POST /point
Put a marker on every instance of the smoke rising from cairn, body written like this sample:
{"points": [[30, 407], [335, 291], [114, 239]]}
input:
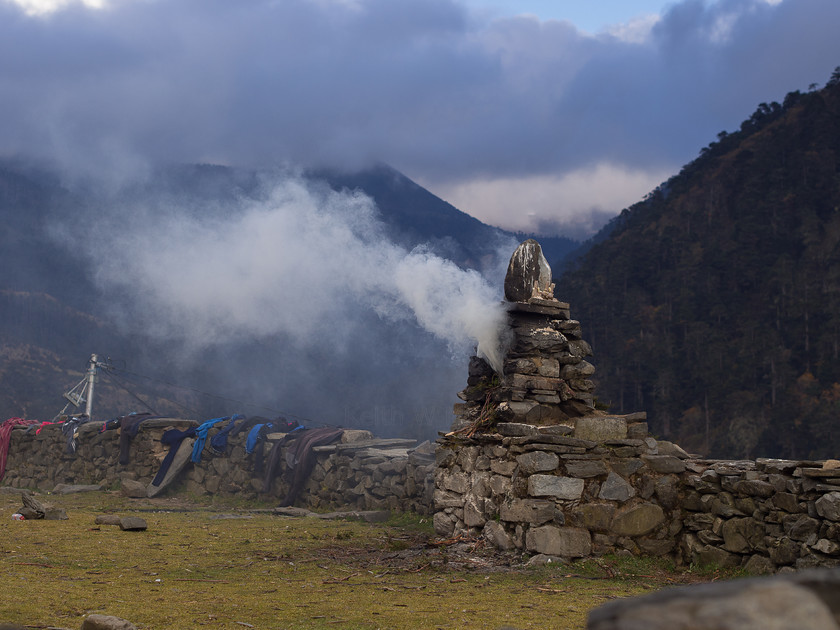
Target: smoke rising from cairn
{"points": [[298, 260]]}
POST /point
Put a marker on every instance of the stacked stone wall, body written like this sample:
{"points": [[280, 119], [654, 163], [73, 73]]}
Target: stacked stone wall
{"points": [[542, 490], [765, 515], [545, 491], [545, 376], [359, 473]]}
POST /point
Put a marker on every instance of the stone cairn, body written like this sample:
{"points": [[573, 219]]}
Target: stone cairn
{"points": [[531, 465], [546, 377], [528, 447]]}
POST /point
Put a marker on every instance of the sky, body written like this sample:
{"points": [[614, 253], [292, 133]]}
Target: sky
{"points": [[591, 17], [530, 115]]}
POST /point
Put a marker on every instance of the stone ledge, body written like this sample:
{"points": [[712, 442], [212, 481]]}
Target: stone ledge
{"points": [[559, 310]]}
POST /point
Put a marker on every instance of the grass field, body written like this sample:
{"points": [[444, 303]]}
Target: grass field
{"points": [[203, 565]]}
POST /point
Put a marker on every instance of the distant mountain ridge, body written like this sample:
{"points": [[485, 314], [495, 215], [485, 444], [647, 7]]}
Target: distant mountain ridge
{"points": [[416, 216], [714, 304]]}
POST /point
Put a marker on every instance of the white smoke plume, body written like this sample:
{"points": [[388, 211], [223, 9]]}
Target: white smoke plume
{"points": [[305, 268], [287, 264]]}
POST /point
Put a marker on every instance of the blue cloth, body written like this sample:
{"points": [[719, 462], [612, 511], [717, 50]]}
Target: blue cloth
{"points": [[254, 436], [219, 441], [201, 436]]}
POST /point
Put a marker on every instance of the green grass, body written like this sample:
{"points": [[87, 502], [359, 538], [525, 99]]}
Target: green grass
{"points": [[197, 567]]}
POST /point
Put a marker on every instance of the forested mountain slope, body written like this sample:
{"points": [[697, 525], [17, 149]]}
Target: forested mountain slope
{"points": [[714, 304]]}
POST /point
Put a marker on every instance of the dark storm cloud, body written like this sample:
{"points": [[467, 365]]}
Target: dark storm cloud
{"points": [[421, 84]]}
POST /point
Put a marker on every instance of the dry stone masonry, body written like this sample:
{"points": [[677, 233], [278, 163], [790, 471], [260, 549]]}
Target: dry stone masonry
{"points": [[531, 465], [765, 515], [546, 377], [360, 472]]}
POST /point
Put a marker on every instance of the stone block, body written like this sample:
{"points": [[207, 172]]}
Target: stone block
{"points": [[496, 535], [615, 488], [637, 430], [444, 457], [787, 501], [466, 457], [499, 485], [828, 506], [480, 484], [826, 546], [664, 463], [444, 524], [585, 469], [600, 428], [579, 348], [665, 489], [549, 414], [595, 516], [665, 447], [443, 499], [522, 381], [569, 327], [755, 488], [776, 466], [785, 551], [533, 511], [699, 521], [580, 370], [549, 368], [652, 547], [735, 536], [537, 461], [723, 505], [528, 273], [520, 366], [504, 468], [801, 527], [626, 467], [566, 542], [474, 512], [557, 429], [133, 489], [628, 451], [715, 556], [759, 565], [106, 622], [637, 520], [456, 482], [133, 523], [517, 429], [566, 488]]}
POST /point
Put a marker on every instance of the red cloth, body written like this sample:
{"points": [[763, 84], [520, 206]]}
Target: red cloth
{"points": [[43, 424], [6, 436]]}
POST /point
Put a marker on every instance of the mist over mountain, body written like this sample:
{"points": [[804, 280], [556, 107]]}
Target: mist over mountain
{"points": [[340, 298], [714, 304]]}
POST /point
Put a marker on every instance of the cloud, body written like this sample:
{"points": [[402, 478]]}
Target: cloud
{"points": [[520, 203], [44, 7], [439, 92]]}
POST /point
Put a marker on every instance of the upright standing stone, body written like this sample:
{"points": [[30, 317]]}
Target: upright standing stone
{"points": [[528, 274]]}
